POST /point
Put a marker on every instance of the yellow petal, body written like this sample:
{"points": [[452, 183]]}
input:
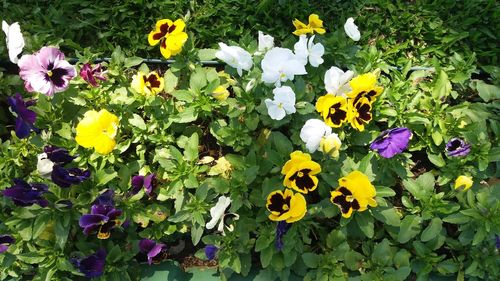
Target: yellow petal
{"points": [[179, 26], [176, 41], [104, 144], [165, 52], [298, 208], [464, 182]]}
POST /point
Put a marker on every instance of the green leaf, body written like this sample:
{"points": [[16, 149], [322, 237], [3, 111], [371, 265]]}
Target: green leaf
{"points": [[487, 92], [365, 223], [207, 54], [433, 229], [191, 151], [282, 143], [382, 253], [61, 230], [457, 218], [31, 258], [187, 115], [310, 259], [137, 121], [384, 191], [198, 80], [40, 224], [442, 88], [410, 227], [171, 81], [436, 160], [183, 95], [115, 254], [132, 61], [266, 256], [196, 233], [387, 215], [105, 175]]}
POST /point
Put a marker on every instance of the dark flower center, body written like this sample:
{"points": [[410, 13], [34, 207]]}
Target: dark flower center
{"points": [[303, 180], [336, 115], [346, 201], [151, 81], [364, 114], [279, 204], [55, 75], [454, 145]]}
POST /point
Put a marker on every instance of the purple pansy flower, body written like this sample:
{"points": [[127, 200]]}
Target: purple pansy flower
{"points": [[25, 117], [148, 182], [58, 155], [66, 177], [457, 147], [93, 265], [211, 251], [391, 142], [281, 230], [25, 194], [151, 249], [105, 198], [46, 71], [5, 242], [497, 241], [90, 74], [101, 218]]}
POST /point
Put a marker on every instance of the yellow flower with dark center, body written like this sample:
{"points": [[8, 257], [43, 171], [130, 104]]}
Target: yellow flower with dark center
{"points": [[359, 113], [314, 25], [364, 86], [333, 109], [170, 35], [147, 84], [97, 130], [300, 172], [355, 193], [463, 183], [286, 206]]}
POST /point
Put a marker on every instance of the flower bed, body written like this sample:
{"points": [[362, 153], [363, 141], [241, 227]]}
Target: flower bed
{"points": [[277, 160]]}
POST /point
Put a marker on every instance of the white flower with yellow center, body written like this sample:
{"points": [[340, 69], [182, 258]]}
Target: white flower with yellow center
{"points": [[283, 103]]}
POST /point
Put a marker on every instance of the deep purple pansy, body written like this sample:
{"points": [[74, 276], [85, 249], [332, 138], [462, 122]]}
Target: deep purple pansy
{"points": [[46, 71], [211, 251], [497, 241], [457, 147], [147, 182], [93, 265], [391, 142], [105, 198], [25, 194], [25, 117], [66, 177], [281, 230], [152, 249], [58, 155], [90, 74], [5, 242], [102, 218]]}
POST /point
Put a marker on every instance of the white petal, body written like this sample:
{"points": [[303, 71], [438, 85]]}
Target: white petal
{"points": [[266, 42], [217, 212], [300, 49], [14, 39], [274, 111], [352, 30], [44, 166]]}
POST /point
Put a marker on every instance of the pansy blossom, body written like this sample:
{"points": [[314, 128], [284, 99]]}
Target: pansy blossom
{"points": [[170, 35], [457, 147], [364, 86], [319, 136], [5, 242], [300, 172], [351, 29], [391, 142], [463, 182], [14, 39], [25, 118], [93, 265], [90, 74], [283, 103], [314, 25], [211, 251], [147, 182], [337, 81], [24, 194], [154, 251], [102, 218], [148, 84], [235, 56], [97, 130], [281, 65], [65, 177], [355, 193], [333, 109], [46, 71], [306, 50], [219, 215], [286, 206]]}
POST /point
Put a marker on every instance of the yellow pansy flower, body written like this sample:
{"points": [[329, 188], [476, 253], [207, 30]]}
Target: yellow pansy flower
{"points": [[359, 113], [355, 193], [97, 130], [300, 172], [463, 182], [220, 93], [333, 109], [147, 84], [314, 25], [170, 35], [364, 86], [330, 145], [286, 206]]}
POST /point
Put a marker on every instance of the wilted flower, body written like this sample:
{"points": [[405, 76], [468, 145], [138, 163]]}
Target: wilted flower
{"points": [[336, 81], [170, 35], [280, 65], [391, 142], [351, 29], [90, 74], [235, 56], [66, 177], [286, 206], [24, 194], [220, 93], [355, 193], [147, 84], [318, 136], [97, 130], [300, 172], [222, 167], [14, 39], [46, 71], [463, 183], [147, 182], [25, 118], [266, 42], [211, 251], [307, 50], [93, 265], [314, 25], [457, 147], [283, 103], [5, 242], [101, 218], [333, 109], [218, 213], [281, 230], [152, 249]]}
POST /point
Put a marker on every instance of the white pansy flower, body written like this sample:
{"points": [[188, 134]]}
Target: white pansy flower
{"points": [[319, 136], [280, 65], [266, 42], [44, 165], [351, 29], [337, 81], [14, 39], [218, 213], [307, 50], [235, 56], [283, 103]]}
